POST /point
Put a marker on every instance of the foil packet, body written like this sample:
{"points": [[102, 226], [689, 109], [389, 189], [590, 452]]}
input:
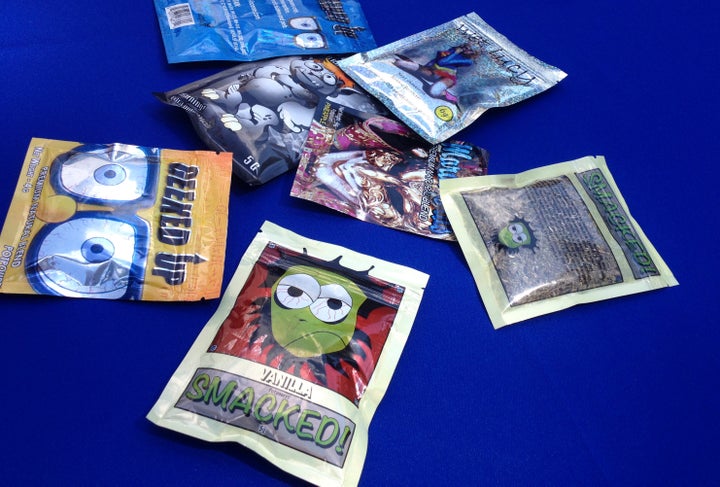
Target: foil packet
{"points": [[297, 356], [261, 111], [117, 221], [374, 168], [231, 30], [550, 238], [441, 80]]}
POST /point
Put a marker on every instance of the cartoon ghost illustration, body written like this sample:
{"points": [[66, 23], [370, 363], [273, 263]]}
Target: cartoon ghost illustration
{"points": [[288, 93]]}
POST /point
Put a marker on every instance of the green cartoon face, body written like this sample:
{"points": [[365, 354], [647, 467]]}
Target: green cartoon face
{"points": [[515, 235], [314, 311]]}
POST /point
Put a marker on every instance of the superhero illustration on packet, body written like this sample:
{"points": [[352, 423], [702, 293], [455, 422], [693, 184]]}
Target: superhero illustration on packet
{"points": [[261, 111], [549, 238], [317, 320], [116, 221], [445, 77], [374, 168]]}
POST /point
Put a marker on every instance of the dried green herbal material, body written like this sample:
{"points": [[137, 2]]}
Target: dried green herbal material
{"points": [[550, 238]]}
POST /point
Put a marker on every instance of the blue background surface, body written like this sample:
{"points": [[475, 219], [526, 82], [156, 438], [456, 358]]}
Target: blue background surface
{"points": [[620, 392]]}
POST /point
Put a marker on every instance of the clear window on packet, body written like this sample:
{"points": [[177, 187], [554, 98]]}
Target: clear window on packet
{"points": [[550, 238]]}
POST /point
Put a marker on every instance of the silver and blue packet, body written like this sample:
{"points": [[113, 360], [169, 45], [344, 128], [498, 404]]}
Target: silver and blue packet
{"points": [[116, 221], [441, 80], [261, 111], [231, 30]]}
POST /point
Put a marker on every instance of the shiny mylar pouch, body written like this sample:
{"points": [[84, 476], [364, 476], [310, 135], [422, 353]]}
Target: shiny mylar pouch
{"points": [[116, 221], [93, 254], [441, 80]]}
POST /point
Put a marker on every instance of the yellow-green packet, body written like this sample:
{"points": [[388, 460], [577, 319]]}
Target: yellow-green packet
{"points": [[550, 238], [297, 357]]}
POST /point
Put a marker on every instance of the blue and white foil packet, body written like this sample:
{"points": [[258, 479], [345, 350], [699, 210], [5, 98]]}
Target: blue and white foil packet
{"points": [[441, 80], [234, 30]]}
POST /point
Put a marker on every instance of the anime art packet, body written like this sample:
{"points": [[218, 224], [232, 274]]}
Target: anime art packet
{"points": [[261, 111], [550, 238], [116, 221], [297, 357], [441, 80], [234, 30], [374, 168]]}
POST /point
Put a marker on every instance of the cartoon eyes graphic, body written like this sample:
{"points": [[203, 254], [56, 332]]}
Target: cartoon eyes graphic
{"points": [[297, 291], [93, 254], [110, 174], [310, 40], [327, 78], [518, 233], [330, 303], [113, 174]]}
